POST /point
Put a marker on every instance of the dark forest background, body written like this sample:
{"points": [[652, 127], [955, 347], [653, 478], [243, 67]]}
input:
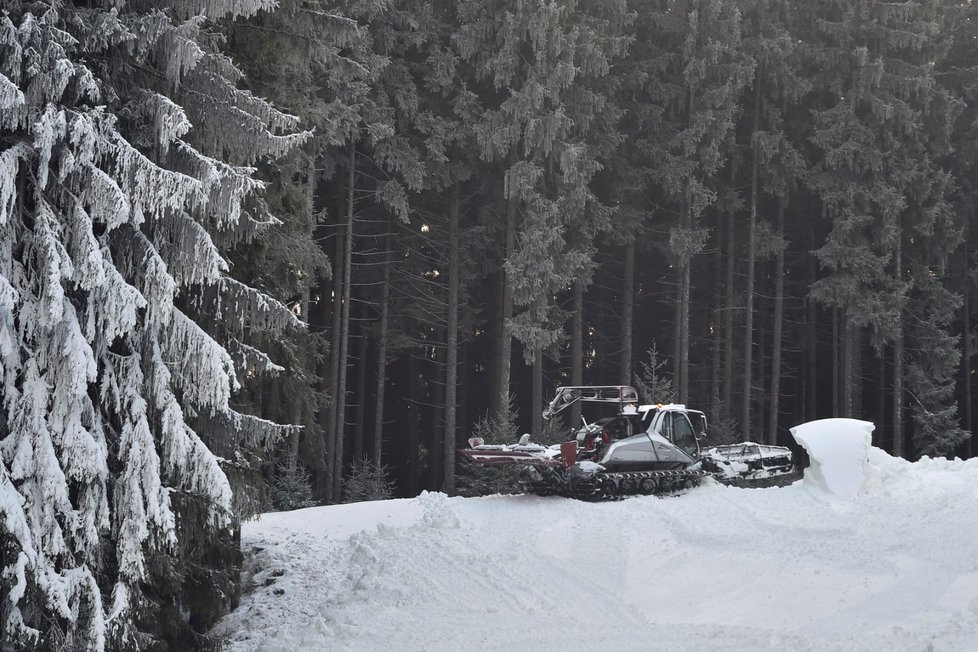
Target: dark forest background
{"points": [[766, 203]]}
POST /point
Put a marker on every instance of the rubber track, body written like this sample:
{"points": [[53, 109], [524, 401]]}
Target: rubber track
{"points": [[613, 486]]}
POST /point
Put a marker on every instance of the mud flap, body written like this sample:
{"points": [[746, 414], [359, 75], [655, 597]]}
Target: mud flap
{"points": [[568, 453]]}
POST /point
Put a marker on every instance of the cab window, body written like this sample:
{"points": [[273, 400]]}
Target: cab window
{"points": [[682, 433]]}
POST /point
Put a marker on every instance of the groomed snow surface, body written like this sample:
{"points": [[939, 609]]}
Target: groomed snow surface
{"points": [[867, 552]]}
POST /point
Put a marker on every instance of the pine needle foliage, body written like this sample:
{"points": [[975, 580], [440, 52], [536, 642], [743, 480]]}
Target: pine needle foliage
{"points": [[365, 481], [292, 488], [651, 382], [127, 153]]}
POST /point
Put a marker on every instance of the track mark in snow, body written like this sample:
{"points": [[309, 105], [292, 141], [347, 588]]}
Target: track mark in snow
{"points": [[718, 568]]}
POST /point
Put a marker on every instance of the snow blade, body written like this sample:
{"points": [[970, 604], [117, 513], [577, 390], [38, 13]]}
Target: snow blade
{"points": [[749, 460]]}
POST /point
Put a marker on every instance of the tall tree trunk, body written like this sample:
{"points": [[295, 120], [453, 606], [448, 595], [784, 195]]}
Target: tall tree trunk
{"points": [[970, 444], [898, 435], [684, 341], [293, 454], [715, 325], [537, 416], [677, 334], [334, 356], [751, 224], [382, 336], [435, 428], [465, 363], [451, 341], [881, 399], [760, 382], [857, 372], [577, 347], [344, 330], [811, 345], [777, 327], [506, 314], [849, 369], [835, 363], [681, 366], [627, 315], [359, 427], [728, 315], [414, 426]]}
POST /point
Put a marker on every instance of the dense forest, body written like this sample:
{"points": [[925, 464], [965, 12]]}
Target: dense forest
{"points": [[260, 254]]}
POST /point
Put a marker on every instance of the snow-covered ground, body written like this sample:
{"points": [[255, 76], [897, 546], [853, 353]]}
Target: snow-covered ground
{"points": [[868, 552]]}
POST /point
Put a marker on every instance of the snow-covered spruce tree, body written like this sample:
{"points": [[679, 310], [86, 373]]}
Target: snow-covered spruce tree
{"points": [[535, 66], [879, 175], [683, 92], [125, 154]]}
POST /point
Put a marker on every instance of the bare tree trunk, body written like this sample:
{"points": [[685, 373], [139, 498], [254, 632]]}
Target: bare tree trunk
{"points": [[577, 347], [537, 416], [760, 382], [728, 315], [778, 327], [970, 443], [751, 224], [343, 354], [684, 300], [435, 428], [414, 425], [293, 455], [681, 366], [881, 424], [360, 425], [835, 363], [898, 435], [334, 358], [715, 323], [506, 314], [857, 372], [677, 334], [849, 369], [465, 363], [627, 315], [381, 374], [811, 346], [451, 342]]}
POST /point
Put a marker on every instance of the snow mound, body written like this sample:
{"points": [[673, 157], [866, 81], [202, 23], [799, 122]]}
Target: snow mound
{"points": [[716, 569], [839, 452]]}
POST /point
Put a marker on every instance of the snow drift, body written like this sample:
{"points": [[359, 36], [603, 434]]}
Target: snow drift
{"points": [[867, 552]]}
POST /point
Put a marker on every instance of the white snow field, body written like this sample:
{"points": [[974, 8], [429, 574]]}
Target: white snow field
{"points": [[867, 552]]}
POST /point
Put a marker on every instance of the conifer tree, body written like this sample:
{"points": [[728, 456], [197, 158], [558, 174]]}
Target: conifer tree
{"points": [[700, 70], [885, 128], [126, 154], [534, 64], [776, 168]]}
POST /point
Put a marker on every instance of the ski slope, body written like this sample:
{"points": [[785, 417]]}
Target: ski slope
{"points": [[867, 552]]}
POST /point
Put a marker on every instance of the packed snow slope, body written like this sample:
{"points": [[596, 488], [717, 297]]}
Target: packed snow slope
{"points": [[867, 552]]}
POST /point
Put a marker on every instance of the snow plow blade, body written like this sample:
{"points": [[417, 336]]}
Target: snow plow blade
{"points": [[748, 461]]}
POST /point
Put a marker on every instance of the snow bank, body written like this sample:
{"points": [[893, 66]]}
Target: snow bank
{"points": [[838, 450], [716, 569]]}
